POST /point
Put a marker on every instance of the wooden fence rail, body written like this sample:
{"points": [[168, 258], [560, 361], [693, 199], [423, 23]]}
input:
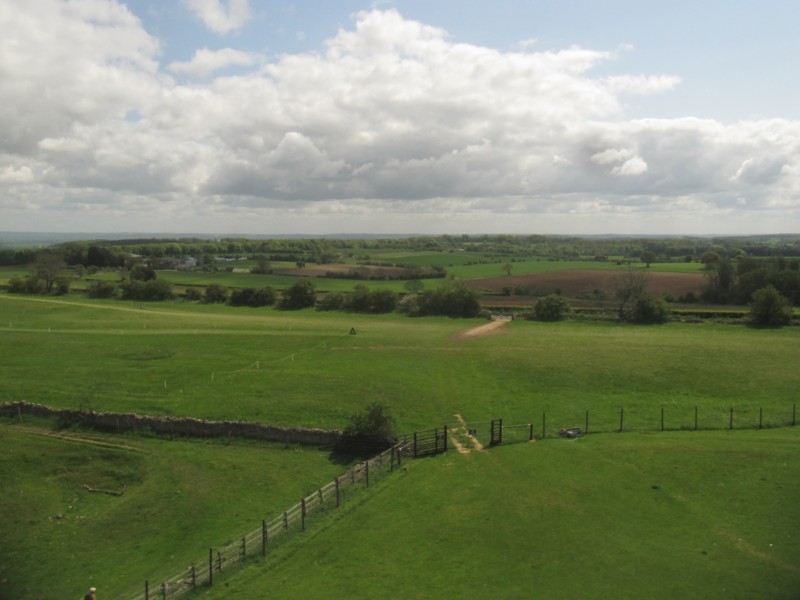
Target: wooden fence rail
{"points": [[259, 542]]}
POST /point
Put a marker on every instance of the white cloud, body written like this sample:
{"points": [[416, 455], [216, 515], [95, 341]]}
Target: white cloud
{"points": [[632, 166], [221, 16], [390, 117], [205, 61], [23, 174]]}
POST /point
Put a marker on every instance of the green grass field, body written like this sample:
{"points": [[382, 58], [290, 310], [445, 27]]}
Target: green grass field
{"points": [[303, 368], [525, 517], [674, 515], [180, 498]]}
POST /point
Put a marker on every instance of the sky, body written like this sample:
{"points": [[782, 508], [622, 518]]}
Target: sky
{"points": [[408, 116]]}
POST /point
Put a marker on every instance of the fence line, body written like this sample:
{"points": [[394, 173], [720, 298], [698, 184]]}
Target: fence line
{"points": [[260, 541], [659, 418]]}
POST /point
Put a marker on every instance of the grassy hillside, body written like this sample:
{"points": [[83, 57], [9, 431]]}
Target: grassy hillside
{"points": [[304, 368], [675, 515], [546, 517], [180, 497]]}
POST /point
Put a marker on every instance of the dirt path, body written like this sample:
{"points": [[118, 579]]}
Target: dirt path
{"points": [[463, 431], [489, 328]]}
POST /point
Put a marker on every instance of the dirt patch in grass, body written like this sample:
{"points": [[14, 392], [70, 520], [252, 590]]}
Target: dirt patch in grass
{"points": [[490, 328], [590, 283]]}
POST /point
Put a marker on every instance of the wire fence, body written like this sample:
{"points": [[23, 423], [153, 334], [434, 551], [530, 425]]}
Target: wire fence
{"points": [[665, 418], [261, 541], [473, 434]]}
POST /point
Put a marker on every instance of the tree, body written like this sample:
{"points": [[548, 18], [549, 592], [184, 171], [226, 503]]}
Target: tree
{"points": [[262, 266], [720, 274], [648, 256], [215, 294], [254, 297], [769, 308], [331, 301], [49, 267], [414, 286], [628, 287], [301, 294], [369, 431], [102, 289], [507, 267], [142, 272], [551, 308], [649, 310], [451, 299]]}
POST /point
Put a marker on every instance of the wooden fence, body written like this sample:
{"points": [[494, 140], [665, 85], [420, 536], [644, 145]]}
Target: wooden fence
{"points": [[425, 443], [259, 542]]}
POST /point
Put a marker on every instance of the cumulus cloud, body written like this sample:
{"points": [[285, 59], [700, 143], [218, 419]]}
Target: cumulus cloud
{"points": [[391, 116], [205, 61], [10, 174], [221, 16]]}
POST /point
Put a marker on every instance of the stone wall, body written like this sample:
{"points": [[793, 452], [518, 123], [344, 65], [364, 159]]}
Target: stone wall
{"points": [[119, 422]]}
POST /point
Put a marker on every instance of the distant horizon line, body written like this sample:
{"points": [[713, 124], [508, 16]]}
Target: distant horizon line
{"points": [[55, 237]]}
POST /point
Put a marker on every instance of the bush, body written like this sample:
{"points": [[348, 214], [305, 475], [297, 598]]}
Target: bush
{"points": [[369, 432], [154, 290], [254, 297], [454, 299], [26, 285], [215, 294], [551, 308], [769, 308], [301, 294], [331, 301], [103, 289], [192, 294], [649, 310]]}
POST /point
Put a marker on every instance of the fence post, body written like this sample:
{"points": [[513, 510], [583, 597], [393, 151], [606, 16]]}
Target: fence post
{"points": [[194, 576], [662, 418], [366, 471], [415, 444], [219, 561], [695, 418], [210, 567], [760, 417], [303, 514], [321, 499], [244, 548], [164, 591], [146, 589], [794, 414], [586, 424], [445, 439], [530, 434], [264, 534], [621, 415], [391, 460], [337, 492], [730, 425], [286, 520]]}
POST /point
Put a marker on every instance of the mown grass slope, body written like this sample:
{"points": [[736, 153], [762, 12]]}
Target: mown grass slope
{"points": [[306, 369], [673, 515]]}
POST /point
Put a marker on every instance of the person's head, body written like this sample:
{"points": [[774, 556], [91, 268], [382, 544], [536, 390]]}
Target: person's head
{"points": [[92, 590]]}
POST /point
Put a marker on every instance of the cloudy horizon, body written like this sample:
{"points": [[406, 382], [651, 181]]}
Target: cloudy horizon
{"points": [[207, 116]]}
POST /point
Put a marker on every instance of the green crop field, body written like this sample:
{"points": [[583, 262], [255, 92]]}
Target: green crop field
{"points": [[556, 506]]}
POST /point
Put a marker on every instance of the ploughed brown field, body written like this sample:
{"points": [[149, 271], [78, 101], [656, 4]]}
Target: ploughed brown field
{"points": [[590, 284]]}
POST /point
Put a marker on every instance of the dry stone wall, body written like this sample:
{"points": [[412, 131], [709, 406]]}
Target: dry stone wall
{"points": [[119, 422]]}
